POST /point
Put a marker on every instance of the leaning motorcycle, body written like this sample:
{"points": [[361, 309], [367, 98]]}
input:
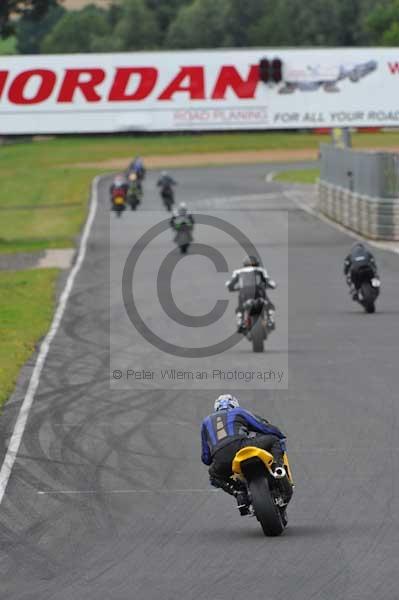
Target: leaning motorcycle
{"points": [[269, 491], [366, 288], [258, 322]]}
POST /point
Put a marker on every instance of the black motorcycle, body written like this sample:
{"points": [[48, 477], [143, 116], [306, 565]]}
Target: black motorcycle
{"points": [[365, 287], [168, 197]]}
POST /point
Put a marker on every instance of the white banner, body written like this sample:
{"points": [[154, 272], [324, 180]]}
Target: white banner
{"points": [[198, 90]]}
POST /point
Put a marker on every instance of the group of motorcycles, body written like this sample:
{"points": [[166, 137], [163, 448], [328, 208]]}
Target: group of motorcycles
{"points": [[251, 465], [127, 189], [364, 286], [257, 324]]}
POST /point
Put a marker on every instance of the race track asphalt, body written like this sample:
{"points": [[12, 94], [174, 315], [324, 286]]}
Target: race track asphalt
{"points": [[108, 499]]}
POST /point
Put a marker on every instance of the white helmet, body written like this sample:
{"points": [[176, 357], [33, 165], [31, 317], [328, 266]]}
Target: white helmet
{"points": [[226, 402], [182, 210]]}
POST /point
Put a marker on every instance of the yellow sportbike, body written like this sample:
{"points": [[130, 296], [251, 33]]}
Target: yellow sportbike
{"points": [[269, 491]]}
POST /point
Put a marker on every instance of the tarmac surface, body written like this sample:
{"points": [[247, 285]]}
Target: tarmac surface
{"points": [[108, 498]]}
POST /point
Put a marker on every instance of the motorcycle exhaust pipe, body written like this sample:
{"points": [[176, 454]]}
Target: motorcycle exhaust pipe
{"points": [[279, 472]]}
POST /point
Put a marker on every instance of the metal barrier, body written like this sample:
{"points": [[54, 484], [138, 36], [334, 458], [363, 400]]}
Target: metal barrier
{"points": [[360, 190], [374, 174]]}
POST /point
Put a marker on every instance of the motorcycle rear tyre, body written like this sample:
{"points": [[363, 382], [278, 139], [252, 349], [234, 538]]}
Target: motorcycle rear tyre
{"points": [[267, 513], [368, 298], [258, 336]]}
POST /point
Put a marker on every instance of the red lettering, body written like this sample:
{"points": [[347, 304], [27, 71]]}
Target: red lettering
{"points": [[394, 68], [87, 85], [230, 78], [148, 78], [195, 85], [16, 92], [3, 79]]}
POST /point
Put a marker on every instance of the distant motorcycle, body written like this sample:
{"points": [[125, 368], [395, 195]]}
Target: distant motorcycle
{"points": [[135, 193], [366, 287], [268, 490], [118, 201], [258, 322], [168, 197], [183, 237], [166, 183], [137, 168]]}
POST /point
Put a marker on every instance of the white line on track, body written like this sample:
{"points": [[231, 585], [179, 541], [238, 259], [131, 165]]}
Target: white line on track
{"points": [[163, 491], [23, 414]]}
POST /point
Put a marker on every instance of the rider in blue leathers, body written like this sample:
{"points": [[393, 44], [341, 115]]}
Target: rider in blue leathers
{"points": [[228, 429]]}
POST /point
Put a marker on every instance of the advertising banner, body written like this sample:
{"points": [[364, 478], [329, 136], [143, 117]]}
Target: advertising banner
{"points": [[198, 90]]}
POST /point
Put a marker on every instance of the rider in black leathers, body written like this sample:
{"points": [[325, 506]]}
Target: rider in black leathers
{"points": [[166, 183], [252, 282], [358, 258], [165, 180]]}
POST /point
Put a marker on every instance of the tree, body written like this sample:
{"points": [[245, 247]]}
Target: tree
{"points": [[137, 28], [383, 24], [165, 12], [30, 33], [202, 24], [77, 31], [242, 17], [314, 23], [35, 8], [8, 46]]}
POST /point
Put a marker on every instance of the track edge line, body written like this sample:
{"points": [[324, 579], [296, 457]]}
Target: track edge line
{"points": [[23, 414]]}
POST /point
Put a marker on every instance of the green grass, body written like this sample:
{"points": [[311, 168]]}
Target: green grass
{"points": [[26, 308], [8, 46], [298, 175], [41, 207]]}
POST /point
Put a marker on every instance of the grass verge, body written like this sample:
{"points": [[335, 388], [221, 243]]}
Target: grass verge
{"points": [[26, 307], [41, 207], [298, 176]]}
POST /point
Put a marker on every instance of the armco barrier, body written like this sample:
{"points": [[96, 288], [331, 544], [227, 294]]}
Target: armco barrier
{"points": [[374, 174], [375, 218], [360, 190]]}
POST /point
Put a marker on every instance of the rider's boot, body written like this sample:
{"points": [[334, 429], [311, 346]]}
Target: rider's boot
{"points": [[243, 502], [240, 322], [271, 323]]}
